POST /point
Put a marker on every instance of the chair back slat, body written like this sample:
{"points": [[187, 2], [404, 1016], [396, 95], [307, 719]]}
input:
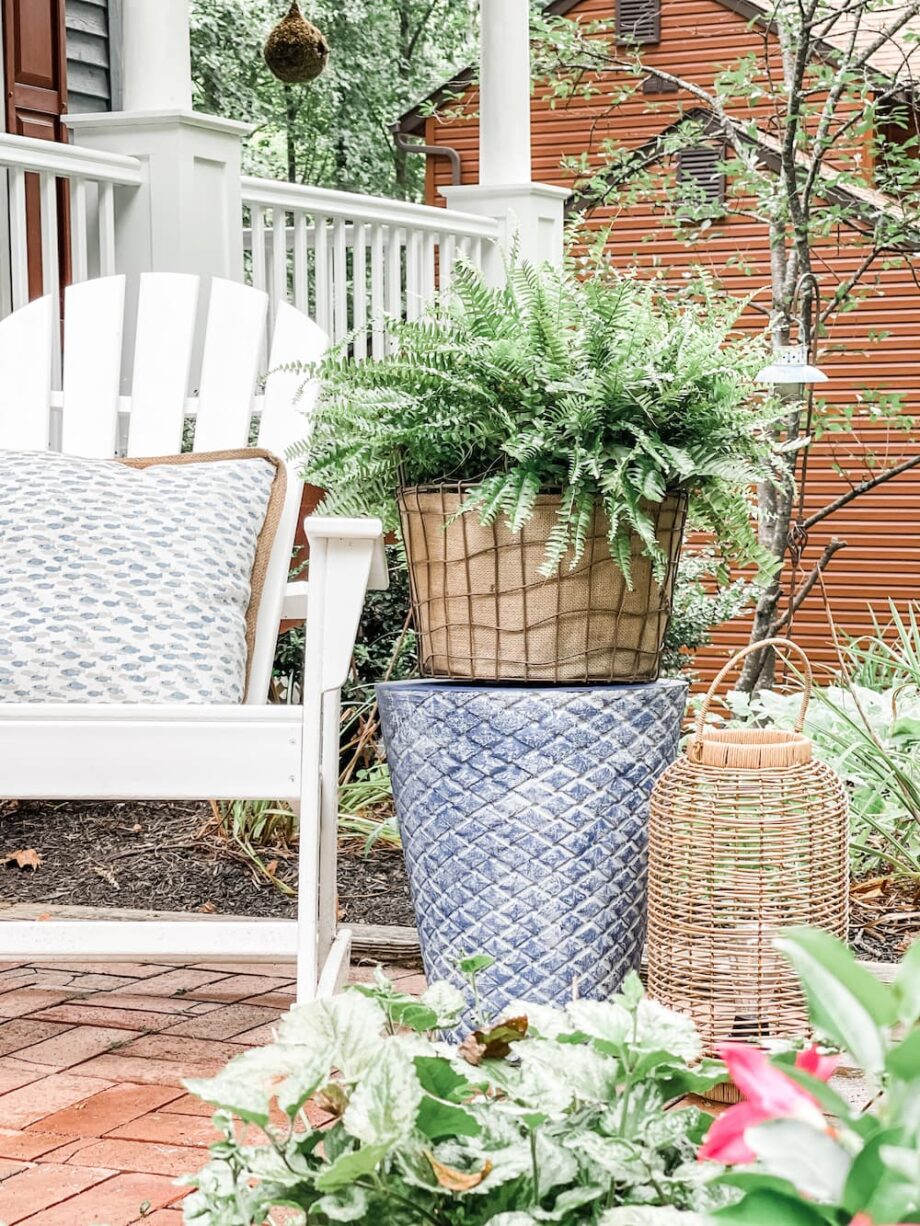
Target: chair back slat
{"points": [[25, 376], [232, 348], [286, 402], [289, 398], [166, 314], [94, 325]]}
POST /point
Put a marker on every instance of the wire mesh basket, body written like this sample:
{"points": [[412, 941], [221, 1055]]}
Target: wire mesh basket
{"points": [[483, 611], [747, 836]]}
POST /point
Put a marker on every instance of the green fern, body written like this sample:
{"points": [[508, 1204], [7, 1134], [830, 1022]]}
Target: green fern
{"points": [[601, 386]]}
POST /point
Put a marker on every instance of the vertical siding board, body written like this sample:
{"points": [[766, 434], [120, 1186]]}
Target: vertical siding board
{"points": [[882, 528]]}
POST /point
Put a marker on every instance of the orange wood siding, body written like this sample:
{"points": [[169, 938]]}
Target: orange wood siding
{"points": [[882, 528]]}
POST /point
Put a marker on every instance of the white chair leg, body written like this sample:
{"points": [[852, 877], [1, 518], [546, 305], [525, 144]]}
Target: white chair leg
{"points": [[342, 554], [337, 965]]}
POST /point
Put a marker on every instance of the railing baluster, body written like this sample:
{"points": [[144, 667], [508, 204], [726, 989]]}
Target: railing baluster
{"points": [[51, 272], [323, 297], [79, 234], [394, 297], [279, 259], [427, 275], [259, 273], [447, 256], [339, 279], [301, 283], [6, 291], [378, 303], [413, 274], [106, 230], [359, 275], [19, 238]]}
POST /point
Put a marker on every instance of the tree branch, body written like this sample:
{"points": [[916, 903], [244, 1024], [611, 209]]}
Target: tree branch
{"points": [[419, 30], [862, 488]]}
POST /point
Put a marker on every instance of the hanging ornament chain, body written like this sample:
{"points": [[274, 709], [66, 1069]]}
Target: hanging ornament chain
{"points": [[797, 539]]}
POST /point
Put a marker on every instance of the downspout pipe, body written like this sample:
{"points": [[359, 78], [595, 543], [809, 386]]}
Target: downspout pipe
{"points": [[404, 144]]}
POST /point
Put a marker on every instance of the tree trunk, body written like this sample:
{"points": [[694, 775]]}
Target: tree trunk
{"points": [[290, 114]]}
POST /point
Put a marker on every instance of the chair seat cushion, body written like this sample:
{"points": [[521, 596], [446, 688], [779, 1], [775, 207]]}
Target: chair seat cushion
{"points": [[132, 581]]}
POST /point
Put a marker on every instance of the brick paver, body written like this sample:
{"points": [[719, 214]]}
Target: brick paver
{"points": [[40, 1187], [94, 1121], [25, 1032], [94, 1117], [14, 1143], [225, 1023], [76, 1045], [153, 1158], [119, 1201]]}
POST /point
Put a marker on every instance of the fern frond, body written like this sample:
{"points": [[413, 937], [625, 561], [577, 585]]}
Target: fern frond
{"points": [[605, 388]]}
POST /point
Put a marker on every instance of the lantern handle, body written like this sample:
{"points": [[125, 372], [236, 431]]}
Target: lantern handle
{"points": [[786, 644]]}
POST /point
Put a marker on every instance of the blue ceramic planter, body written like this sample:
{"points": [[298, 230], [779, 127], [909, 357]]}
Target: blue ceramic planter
{"points": [[523, 818]]}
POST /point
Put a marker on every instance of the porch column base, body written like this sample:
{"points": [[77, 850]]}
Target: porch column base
{"points": [[188, 217], [534, 213]]}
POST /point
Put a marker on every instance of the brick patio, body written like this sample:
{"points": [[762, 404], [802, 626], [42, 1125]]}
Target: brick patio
{"points": [[94, 1123]]}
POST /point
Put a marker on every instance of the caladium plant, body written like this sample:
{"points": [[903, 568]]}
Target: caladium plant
{"points": [[545, 1115], [559, 1115]]}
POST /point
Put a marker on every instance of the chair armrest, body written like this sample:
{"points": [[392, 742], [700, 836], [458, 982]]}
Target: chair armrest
{"points": [[346, 558], [328, 527]]}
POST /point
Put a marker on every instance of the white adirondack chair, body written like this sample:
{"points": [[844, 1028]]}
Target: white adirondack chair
{"points": [[254, 751]]}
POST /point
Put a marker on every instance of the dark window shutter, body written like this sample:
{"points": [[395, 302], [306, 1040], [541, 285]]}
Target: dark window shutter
{"points": [[655, 85], [699, 173], [638, 21]]}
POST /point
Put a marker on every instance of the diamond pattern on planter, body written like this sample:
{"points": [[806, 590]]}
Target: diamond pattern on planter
{"points": [[523, 820]]}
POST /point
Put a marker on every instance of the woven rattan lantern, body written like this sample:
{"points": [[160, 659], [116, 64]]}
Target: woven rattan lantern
{"points": [[747, 836]]}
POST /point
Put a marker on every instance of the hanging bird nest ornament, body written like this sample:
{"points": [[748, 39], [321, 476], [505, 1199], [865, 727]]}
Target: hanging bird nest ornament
{"points": [[295, 51], [747, 836]]}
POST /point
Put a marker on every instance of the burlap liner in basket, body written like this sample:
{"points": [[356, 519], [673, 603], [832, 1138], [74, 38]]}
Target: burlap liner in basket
{"points": [[269, 525], [483, 611], [747, 836]]}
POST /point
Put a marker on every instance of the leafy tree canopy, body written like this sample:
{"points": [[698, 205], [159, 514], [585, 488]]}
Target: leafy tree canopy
{"points": [[334, 132]]}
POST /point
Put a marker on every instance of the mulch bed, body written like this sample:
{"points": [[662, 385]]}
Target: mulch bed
{"points": [[884, 918], [163, 856]]}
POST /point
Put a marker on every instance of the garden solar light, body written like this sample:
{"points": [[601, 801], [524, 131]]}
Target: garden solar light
{"points": [[790, 365]]}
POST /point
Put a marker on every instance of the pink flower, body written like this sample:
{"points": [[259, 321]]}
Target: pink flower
{"points": [[863, 1219], [769, 1095], [811, 1061]]}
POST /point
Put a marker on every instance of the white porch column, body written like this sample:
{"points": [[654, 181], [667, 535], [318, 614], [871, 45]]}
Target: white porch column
{"points": [[188, 215], [504, 85], [534, 212], [156, 55]]}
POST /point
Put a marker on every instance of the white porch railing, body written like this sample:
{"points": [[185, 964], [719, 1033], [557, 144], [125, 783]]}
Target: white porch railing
{"points": [[57, 215], [350, 261]]}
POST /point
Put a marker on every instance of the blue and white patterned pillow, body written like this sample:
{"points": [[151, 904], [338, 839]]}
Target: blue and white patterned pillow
{"points": [[128, 584]]}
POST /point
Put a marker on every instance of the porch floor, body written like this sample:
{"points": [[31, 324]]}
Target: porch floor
{"points": [[94, 1123]]}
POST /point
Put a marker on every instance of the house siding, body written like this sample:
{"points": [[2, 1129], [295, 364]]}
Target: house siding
{"points": [[92, 83], [881, 528]]}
